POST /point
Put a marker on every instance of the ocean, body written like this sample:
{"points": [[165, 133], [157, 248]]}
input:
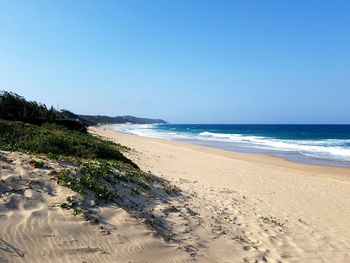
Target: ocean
{"points": [[313, 144]]}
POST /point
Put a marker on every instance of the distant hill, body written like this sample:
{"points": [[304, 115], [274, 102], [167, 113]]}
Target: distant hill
{"points": [[120, 119], [14, 107]]}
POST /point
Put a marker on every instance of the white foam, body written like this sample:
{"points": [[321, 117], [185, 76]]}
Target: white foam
{"points": [[321, 148], [327, 149]]}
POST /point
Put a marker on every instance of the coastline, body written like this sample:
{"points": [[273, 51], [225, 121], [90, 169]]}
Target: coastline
{"points": [[199, 204], [260, 158], [308, 144], [311, 202]]}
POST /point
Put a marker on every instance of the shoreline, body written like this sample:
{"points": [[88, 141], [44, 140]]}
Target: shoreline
{"points": [[193, 203], [260, 158], [320, 152], [249, 207], [190, 203]]}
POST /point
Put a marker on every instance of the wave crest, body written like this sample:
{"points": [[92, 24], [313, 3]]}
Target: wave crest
{"points": [[334, 149]]}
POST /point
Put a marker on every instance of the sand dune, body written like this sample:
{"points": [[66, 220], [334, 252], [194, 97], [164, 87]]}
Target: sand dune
{"points": [[34, 228]]}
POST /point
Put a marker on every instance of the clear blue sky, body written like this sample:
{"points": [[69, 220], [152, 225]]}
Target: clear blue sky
{"points": [[187, 61]]}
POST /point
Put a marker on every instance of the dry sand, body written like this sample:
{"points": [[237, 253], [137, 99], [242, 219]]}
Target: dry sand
{"points": [[222, 207], [251, 207], [34, 228]]}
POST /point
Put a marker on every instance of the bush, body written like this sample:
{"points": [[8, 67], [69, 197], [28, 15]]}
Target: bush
{"points": [[55, 141], [16, 107], [36, 164]]}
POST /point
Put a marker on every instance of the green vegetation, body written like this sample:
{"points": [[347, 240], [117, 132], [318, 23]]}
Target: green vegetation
{"points": [[170, 189], [36, 164], [3, 159], [119, 119], [100, 162], [85, 184], [69, 204], [99, 177], [15, 107], [94, 167], [57, 141], [78, 211], [96, 220]]}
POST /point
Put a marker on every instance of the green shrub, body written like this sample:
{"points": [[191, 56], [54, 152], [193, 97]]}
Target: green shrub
{"points": [[4, 159], [55, 140], [78, 211], [168, 188], [69, 204], [85, 183], [102, 192], [36, 164], [101, 163], [100, 169], [16, 107]]}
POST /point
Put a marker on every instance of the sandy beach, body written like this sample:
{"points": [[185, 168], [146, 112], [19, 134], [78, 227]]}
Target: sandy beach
{"points": [[253, 207], [174, 131], [215, 206]]}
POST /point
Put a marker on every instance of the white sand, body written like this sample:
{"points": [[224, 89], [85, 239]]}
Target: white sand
{"points": [[243, 200], [34, 228], [231, 208]]}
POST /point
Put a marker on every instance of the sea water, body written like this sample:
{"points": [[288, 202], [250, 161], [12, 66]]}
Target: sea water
{"points": [[315, 144]]}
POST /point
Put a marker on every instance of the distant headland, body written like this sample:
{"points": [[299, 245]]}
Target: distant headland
{"points": [[120, 119]]}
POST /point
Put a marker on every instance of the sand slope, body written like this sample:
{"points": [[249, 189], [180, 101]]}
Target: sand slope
{"points": [[251, 208], [33, 227]]}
